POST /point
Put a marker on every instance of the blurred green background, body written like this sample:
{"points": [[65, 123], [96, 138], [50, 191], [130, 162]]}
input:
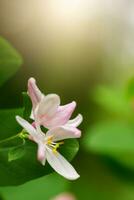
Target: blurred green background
{"points": [[82, 50]]}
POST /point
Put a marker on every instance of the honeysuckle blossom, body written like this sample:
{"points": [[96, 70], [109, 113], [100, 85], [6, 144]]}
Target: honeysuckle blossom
{"points": [[46, 111], [49, 142], [50, 114]]}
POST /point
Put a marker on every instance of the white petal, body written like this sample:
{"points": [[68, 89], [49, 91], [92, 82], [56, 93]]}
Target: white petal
{"points": [[26, 125], [32, 115], [41, 154], [48, 105], [76, 121], [61, 165], [63, 132]]}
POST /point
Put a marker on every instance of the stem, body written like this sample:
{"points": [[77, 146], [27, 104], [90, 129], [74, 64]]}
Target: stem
{"points": [[10, 138], [21, 135]]}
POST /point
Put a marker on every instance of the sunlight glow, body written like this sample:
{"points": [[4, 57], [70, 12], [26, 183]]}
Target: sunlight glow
{"points": [[70, 9]]}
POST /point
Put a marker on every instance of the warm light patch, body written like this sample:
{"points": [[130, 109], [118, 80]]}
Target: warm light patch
{"points": [[65, 10]]}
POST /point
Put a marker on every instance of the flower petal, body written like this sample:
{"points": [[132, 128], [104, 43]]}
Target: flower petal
{"points": [[63, 132], [41, 154], [48, 106], [34, 92], [65, 196], [32, 115], [76, 121], [61, 117], [26, 125], [61, 165]]}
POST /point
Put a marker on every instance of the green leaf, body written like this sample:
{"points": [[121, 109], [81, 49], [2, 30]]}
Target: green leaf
{"points": [[43, 188], [130, 89], [28, 167], [16, 153], [27, 106], [9, 129], [8, 124], [70, 148], [115, 139], [111, 137], [10, 61], [113, 100], [1, 197]]}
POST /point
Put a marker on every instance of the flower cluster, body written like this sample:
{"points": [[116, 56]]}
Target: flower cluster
{"points": [[47, 112]]}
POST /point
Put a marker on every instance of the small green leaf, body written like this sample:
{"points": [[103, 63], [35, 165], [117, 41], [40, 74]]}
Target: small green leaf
{"points": [[16, 153], [10, 61], [14, 141]]}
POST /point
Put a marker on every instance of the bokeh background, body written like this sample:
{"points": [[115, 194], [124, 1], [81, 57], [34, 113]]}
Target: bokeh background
{"points": [[73, 47]]}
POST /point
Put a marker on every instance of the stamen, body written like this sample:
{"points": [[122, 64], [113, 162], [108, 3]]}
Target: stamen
{"points": [[49, 140], [57, 146], [54, 145]]}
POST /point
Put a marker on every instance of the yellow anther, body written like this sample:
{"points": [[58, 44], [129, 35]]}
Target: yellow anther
{"points": [[49, 140]]}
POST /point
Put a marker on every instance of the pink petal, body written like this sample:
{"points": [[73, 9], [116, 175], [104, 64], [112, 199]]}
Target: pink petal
{"points": [[61, 117], [34, 92], [76, 121], [41, 153]]}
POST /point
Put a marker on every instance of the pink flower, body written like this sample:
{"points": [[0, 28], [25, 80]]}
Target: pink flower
{"points": [[48, 112]]}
